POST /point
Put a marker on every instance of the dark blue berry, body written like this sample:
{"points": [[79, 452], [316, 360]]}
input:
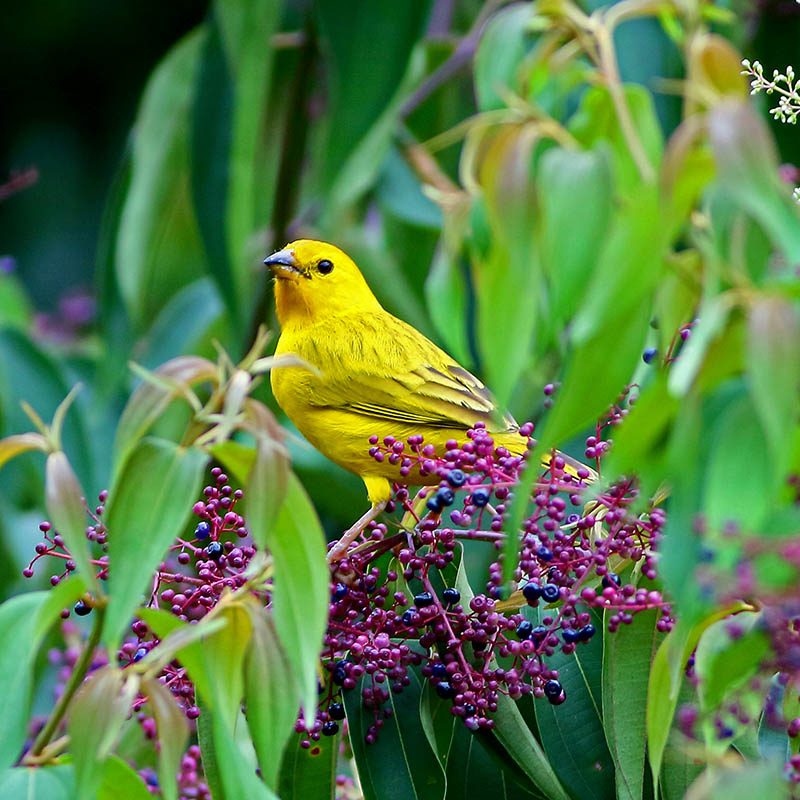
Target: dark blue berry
{"points": [[586, 632], [552, 689], [140, 654], [336, 711], [434, 503], [423, 599], [446, 496], [451, 596], [538, 633], [550, 592], [202, 531], [570, 635], [408, 616], [532, 592], [480, 497], [82, 609], [611, 579], [439, 670], [524, 629], [649, 355], [340, 672], [340, 591], [469, 708], [330, 728], [445, 690], [544, 553], [456, 478], [215, 550]]}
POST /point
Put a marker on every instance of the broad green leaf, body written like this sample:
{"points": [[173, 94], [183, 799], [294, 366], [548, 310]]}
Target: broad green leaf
{"points": [[739, 486], [96, 717], [504, 43], [173, 733], [575, 196], [67, 509], [310, 773], [121, 782], [572, 733], [300, 590], [596, 123], [628, 267], [446, 298], [747, 165], [38, 783], [15, 306], [665, 681], [773, 364], [271, 699], [24, 621], [205, 738], [680, 768], [400, 763], [151, 399], [512, 732], [148, 506], [627, 660], [728, 654], [158, 247], [366, 47], [181, 324], [266, 488]]}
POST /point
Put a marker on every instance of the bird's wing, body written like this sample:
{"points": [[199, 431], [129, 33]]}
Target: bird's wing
{"points": [[380, 366]]}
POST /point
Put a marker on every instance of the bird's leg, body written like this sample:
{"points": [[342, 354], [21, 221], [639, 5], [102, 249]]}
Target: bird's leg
{"points": [[340, 548]]}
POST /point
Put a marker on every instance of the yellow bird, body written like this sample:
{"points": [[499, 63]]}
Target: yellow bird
{"points": [[375, 375]]}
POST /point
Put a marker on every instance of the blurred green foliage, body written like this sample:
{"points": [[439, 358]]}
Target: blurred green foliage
{"points": [[544, 193]]}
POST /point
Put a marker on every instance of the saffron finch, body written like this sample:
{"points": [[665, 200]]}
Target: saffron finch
{"points": [[371, 374]]}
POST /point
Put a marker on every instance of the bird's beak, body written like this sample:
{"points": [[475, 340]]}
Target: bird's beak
{"points": [[284, 265]]}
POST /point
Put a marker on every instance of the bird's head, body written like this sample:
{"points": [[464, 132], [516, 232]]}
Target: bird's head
{"points": [[316, 279]]}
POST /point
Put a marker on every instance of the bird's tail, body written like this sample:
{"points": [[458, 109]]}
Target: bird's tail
{"points": [[517, 444]]}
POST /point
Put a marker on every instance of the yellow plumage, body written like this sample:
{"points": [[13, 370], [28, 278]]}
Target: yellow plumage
{"points": [[376, 374]]}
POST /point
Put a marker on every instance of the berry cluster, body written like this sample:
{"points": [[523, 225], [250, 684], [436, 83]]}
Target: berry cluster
{"points": [[397, 603]]}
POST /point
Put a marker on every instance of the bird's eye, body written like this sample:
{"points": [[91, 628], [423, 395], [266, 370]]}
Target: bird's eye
{"points": [[325, 267]]}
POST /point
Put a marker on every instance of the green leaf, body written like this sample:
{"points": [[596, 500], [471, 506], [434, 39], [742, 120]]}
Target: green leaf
{"points": [[180, 324], [159, 248], [96, 717], [67, 509], [24, 621], [773, 364], [173, 734], [515, 736], [728, 654], [266, 488], [627, 661], [446, 297], [272, 700], [400, 763], [504, 43], [575, 195], [747, 165], [300, 591], [205, 738], [367, 47], [596, 124], [307, 774], [151, 399], [742, 782], [572, 733], [739, 485], [15, 307], [628, 267], [148, 506], [38, 783], [121, 782]]}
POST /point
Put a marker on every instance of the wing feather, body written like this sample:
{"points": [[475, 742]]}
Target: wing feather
{"points": [[393, 372]]}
